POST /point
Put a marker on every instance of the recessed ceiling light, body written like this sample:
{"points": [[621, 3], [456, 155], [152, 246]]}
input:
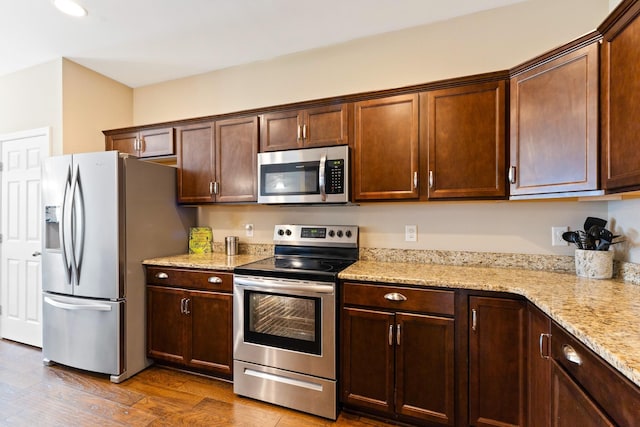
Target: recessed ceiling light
{"points": [[70, 7]]}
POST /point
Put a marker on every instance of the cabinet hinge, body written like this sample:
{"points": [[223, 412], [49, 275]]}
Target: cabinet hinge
{"points": [[0, 238], [1, 165]]}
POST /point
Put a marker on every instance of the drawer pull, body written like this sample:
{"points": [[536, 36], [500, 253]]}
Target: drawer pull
{"points": [[544, 355], [571, 355], [162, 275], [215, 280], [395, 296]]}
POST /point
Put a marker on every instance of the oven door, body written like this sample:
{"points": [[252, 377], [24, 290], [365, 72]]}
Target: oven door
{"points": [[286, 324]]}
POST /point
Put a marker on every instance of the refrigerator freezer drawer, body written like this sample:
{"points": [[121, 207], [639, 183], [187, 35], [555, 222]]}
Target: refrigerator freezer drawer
{"points": [[83, 333]]}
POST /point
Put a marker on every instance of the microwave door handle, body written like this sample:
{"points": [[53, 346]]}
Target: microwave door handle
{"points": [[321, 180]]}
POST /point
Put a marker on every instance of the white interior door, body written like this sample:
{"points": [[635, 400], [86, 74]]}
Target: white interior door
{"points": [[20, 271]]}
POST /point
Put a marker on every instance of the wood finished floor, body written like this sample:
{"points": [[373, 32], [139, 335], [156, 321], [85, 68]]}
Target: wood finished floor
{"points": [[32, 394]]}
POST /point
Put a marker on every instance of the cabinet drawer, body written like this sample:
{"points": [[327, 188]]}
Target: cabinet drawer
{"points": [[194, 279], [616, 394], [391, 297]]}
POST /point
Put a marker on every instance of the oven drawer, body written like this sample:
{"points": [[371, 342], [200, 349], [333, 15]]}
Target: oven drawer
{"points": [[397, 297], [207, 280]]}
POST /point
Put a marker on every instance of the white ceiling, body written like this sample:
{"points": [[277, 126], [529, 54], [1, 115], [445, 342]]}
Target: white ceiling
{"points": [[141, 42]]}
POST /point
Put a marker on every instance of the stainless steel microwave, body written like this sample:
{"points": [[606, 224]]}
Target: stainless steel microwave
{"points": [[309, 175]]}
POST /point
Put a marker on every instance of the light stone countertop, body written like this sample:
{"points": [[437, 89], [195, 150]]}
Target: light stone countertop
{"points": [[210, 261], [603, 314]]}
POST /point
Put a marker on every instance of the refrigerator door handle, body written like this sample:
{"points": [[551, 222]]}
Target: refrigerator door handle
{"points": [[64, 229], [65, 306], [79, 223]]}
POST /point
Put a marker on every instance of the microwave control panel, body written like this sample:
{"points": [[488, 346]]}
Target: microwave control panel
{"points": [[334, 176]]}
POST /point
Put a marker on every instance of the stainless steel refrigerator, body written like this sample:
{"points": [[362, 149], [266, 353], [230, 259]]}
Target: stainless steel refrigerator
{"points": [[103, 214]]}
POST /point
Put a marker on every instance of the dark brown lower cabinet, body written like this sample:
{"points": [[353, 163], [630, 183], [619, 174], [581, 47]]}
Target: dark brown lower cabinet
{"points": [[397, 364], [570, 406], [538, 367], [187, 326], [497, 374]]}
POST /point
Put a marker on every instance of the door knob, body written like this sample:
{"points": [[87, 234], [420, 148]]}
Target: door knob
{"points": [[36, 253]]}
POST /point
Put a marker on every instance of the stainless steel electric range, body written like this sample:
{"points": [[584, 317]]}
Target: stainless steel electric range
{"points": [[285, 315]]}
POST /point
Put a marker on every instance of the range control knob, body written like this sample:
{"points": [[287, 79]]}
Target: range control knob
{"points": [[348, 233], [288, 232], [280, 232], [339, 233], [332, 233]]}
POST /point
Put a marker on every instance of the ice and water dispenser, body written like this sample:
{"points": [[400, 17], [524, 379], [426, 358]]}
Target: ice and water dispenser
{"points": [[52, 217]]}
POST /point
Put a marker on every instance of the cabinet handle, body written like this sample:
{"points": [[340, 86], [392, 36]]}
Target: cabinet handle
{"points": [[182, 301], [304, 131], [474, 319], [141, 145], [398, 334], [415, 180], [512, 175], [216, 187], [390, 334], [215, 280], [211, 188], [395, 296], [571, 355], [430, 179], [542, 339], [162, 275], [187, 301], [136, 144], [299, 136]]}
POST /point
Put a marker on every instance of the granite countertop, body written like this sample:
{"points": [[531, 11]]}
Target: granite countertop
{"points": [[602, 314], [210, 261]]}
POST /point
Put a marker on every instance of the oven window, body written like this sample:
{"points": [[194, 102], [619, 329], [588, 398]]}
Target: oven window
{"points": [[290, 179], [284, 321]]}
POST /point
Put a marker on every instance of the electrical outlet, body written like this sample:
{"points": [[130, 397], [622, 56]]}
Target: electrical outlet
{"points": [[410, 233], [556, 236], [248, 228]]}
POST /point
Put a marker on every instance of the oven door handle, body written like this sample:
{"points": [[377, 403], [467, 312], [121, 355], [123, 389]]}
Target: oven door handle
{"points": [[266, 285]]}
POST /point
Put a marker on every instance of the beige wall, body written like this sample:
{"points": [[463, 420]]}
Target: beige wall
{"points": [[484, 42], [32, 99], [91, 103], [489, 41]]}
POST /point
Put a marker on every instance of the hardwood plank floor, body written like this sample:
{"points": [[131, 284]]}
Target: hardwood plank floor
{"points": [[32, 394]]}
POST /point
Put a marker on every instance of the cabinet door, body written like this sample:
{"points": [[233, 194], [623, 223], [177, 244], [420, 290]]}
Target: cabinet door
{"points": [[386, 148], [424, 368], [367, 359], [195, 163], [236, 158], [570, 406], [538, 368], [165, 324], [496, 362], [465, 130], [620, 102], [554, 125], [157, 142], [281, 131], [123, 142], [325, 126], [210, 332]]}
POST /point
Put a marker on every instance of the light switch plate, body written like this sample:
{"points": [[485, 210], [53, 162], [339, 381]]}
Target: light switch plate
{"points": [[410, 233], [556, 236]]}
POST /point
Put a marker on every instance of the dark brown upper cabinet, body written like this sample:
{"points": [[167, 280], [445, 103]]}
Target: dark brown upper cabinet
{"points": [[143, 143], [620, 98], [311, 127], [217, 161], [465, 134], [386, 148], [554, 122]]}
